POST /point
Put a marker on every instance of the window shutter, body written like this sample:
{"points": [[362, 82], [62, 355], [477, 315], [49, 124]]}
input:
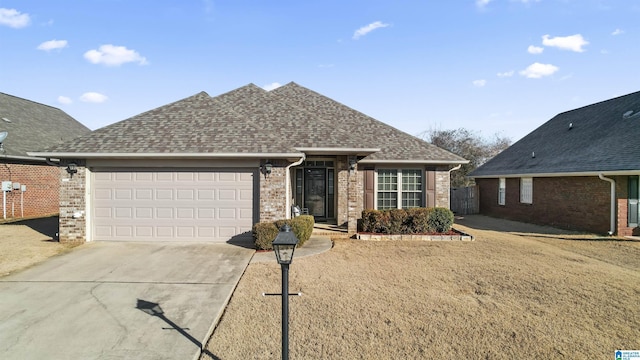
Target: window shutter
{"points": [[430, 188], [369, 189]]}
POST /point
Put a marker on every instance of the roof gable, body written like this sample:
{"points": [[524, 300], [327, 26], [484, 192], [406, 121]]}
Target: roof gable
{"points": [[32, 126], [590, 139], [252, 120]]}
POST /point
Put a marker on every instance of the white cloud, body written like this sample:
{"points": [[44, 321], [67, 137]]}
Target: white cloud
{"points": [[111, 55], [272, 86], [482, 3], [64, 100], [617, 32], [93, 97], [535, 49], [538, 70], [572, 42], [479, 83], [52, 45], [367, 29], [13, 18], [506, 74]]}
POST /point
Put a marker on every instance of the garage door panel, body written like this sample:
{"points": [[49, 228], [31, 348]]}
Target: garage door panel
{"points": [[172, 205]]}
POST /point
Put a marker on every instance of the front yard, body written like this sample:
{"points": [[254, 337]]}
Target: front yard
{"points": [[517, 291]]}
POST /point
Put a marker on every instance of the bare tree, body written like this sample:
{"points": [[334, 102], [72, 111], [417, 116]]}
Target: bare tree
{"points": [[470, 145]]}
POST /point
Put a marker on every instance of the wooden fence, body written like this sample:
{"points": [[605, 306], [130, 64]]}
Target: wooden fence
{"points": [[465, 201]]}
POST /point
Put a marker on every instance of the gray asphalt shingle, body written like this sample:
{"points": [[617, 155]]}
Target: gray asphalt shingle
{"points": [[252, 120], [600, 138], [32, 126]]}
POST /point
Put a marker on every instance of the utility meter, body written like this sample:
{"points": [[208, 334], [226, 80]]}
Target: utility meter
{"points": [[6, 186]]}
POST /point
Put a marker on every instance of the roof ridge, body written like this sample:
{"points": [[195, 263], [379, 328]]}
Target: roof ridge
{"points": [[32, 101]]}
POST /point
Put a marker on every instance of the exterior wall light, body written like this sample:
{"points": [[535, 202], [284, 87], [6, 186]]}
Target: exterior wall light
{"points": [[266, 169], [72, 168]]}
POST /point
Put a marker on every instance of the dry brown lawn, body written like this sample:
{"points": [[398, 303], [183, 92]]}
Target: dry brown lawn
{"points": [[517, 291], [25, 243]]}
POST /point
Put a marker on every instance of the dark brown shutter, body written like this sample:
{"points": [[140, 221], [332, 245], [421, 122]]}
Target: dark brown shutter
{"points": [[430, 185], [369, 188]]}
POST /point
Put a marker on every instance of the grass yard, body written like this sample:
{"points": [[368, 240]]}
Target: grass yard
{"points": [[518, 291]]}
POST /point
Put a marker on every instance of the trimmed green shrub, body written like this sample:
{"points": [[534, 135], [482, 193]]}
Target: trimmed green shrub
{"points": [[418, 220], [302, 227], [440, 220], [263, 235], [397, 218], [411, 221]]}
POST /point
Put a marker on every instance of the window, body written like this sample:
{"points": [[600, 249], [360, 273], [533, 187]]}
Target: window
{"points": [[392, 196], [502, 190], [633, 212], [526, 190]]}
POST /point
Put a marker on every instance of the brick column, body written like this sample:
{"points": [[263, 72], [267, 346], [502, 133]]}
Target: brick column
{"points": [[354, 198], [273, 195], [443, 186], [73, 216]]}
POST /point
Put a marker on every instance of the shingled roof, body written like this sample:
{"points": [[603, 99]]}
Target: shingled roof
{"points": [[251, 121], [602, 137], [32, 126]]}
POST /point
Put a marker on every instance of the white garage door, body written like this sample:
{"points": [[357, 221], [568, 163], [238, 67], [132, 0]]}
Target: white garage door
{"points": [[171, 205]]}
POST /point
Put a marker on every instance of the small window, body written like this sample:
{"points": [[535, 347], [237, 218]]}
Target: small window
{"points": [[526, 190], [502, 190]]}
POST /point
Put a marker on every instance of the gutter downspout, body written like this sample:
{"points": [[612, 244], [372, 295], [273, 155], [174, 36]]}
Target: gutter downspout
{"points": [[613, 203], [457, 167], [288, 185], [49, 162]]}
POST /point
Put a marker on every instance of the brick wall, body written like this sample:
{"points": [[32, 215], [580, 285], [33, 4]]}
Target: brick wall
{"points": [[273, 195], [72, 203], [41, 197], [576, 203]]}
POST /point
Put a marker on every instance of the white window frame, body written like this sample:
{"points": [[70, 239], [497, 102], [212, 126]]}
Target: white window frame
{"points": [[502, 191], [526, 190], [399, 190]]}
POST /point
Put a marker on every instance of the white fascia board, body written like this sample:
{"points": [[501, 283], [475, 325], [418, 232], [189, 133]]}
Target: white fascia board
{"points": [[435, 162], [565, 174], [338, 151], [79, 155]]}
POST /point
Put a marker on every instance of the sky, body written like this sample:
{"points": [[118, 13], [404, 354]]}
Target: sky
{"points": [[495, 67]]}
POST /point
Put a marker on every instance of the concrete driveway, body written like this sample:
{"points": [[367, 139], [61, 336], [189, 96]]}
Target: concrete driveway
{"points": [[114, 300]]}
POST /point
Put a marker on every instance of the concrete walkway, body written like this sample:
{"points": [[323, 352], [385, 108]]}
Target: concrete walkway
{"points": [[316, 244], [114, 300]]}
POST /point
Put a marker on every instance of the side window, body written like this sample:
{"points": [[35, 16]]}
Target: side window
{"points": [[526, 190], [502, 190]]}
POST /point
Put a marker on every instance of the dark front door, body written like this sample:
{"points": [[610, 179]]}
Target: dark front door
{"points": [[315, 193]]}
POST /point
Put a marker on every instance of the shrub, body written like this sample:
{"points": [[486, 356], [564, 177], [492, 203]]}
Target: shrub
{"points": [[440, 219], [302, 227], [263, 235], [411, 221], [397, 218], [418, 220]]}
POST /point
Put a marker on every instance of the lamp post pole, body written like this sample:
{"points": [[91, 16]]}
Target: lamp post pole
{"points": [[284, 245], [285, 311]]}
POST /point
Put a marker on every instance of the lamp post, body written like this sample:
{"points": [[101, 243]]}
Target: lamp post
{"points": [[284, 246]]}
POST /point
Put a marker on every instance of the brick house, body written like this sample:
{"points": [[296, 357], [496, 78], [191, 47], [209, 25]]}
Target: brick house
{"points": [[30, 126], [578, 171], [207, 168]]}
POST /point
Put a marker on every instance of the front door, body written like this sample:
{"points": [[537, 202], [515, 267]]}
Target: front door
{"points": [[315, 195]]}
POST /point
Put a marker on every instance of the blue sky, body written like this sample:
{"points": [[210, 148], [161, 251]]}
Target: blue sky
{"points": [[491, 66]]}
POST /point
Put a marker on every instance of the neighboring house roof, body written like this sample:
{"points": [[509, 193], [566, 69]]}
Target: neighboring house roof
{"points": [[32, 126], [599, 138], [251, 121]]}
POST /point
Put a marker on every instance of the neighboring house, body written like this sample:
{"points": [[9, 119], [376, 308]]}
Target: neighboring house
{"points": [[208, 168], [35, 185], [577, 171]]}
